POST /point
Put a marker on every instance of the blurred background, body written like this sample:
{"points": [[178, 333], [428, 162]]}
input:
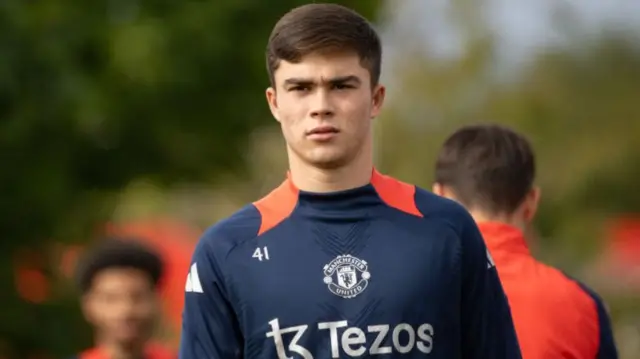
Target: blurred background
{"points": [[148, 118]]}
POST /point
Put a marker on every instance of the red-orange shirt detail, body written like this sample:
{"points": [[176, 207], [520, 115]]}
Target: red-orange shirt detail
{"points": [[554, 317], [280, 203], [152, 351]]}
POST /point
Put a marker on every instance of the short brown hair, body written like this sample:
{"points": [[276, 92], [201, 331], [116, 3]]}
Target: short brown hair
{"points": [[488, 167], [316, 28]]}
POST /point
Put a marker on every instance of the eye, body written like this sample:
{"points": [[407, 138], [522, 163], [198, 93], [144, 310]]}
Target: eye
{"points": [[341, 86], [300, 88]]}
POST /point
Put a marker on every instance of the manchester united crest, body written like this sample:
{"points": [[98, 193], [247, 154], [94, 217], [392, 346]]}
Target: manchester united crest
{"points": [[346, 276]]}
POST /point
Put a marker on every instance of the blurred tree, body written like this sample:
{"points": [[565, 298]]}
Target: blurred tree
{"points": [[95, 94], [578, 108]]}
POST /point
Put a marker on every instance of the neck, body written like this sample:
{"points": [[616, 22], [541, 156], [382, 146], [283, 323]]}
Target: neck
{"points": [[309, 178], [511, 220], [119, 351]]}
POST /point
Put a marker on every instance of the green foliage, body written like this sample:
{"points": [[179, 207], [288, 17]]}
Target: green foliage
{"points": [[577, 105], [95, 94]]}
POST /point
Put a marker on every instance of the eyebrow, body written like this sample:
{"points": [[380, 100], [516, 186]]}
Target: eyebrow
{"points": [[336, 80]]}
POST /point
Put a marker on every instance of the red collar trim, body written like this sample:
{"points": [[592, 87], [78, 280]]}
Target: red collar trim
{"points": [[501, 237]]}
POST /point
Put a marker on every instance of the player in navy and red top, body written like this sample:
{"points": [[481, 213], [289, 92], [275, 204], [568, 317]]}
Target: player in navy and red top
{"points": [[491, 169], [341, 261], [118, 280]]}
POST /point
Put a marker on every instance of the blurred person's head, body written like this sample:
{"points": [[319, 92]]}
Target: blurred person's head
{"points": [[118, 280], [489, 169], [324, 62]]}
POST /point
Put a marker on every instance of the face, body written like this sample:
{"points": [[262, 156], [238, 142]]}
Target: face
{"points": [[325, 105], [122, 305]]}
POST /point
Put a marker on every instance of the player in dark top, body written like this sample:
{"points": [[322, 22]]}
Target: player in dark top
{"points": [[340, 260], [118, 280]]}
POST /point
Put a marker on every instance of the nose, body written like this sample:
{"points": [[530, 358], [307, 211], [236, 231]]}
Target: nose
{"points": [[125, 308], [322, 105]]}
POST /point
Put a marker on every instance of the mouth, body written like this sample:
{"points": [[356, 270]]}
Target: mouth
{"points": [[322, 133]]}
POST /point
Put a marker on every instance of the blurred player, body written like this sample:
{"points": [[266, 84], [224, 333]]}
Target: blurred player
{"points": [[340, 261], [490, 170], [118, 280]]}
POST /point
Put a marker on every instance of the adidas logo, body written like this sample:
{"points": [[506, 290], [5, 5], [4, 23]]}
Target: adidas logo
{"points": [[490, 262], [193, 281]]}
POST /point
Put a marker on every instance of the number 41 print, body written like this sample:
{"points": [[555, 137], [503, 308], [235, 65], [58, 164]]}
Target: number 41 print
{"points": [[261, 254]]}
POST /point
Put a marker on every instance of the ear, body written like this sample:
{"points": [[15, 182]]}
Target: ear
{"points": [[379, 94], [438, 189], [272, 100], [531, 203], [86, 305]]}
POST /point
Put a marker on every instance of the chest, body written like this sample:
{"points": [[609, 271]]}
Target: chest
{"points": [[363, 273]]}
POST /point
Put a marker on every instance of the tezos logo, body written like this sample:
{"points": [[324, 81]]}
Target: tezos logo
{"points": [[346, 276]]}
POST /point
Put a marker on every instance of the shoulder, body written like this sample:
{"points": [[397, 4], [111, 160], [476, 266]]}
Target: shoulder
{"points": [[575, 301], [159, 351], [443, 209], [588, 291], [152, 351], [91, 353], [587, 295], [419, 202], [220, 239], [601, 324]]}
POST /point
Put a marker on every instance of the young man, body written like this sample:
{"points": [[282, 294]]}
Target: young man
{"points": [[118, 280], [490, 169], [340, 261]]}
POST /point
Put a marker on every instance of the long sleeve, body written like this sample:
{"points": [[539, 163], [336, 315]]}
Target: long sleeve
{"points": [[487, 326], [210, 329]]}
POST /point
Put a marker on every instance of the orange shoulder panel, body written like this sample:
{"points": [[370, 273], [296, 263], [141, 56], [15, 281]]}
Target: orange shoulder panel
{"points": [[396, 194], [277, 205]]}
